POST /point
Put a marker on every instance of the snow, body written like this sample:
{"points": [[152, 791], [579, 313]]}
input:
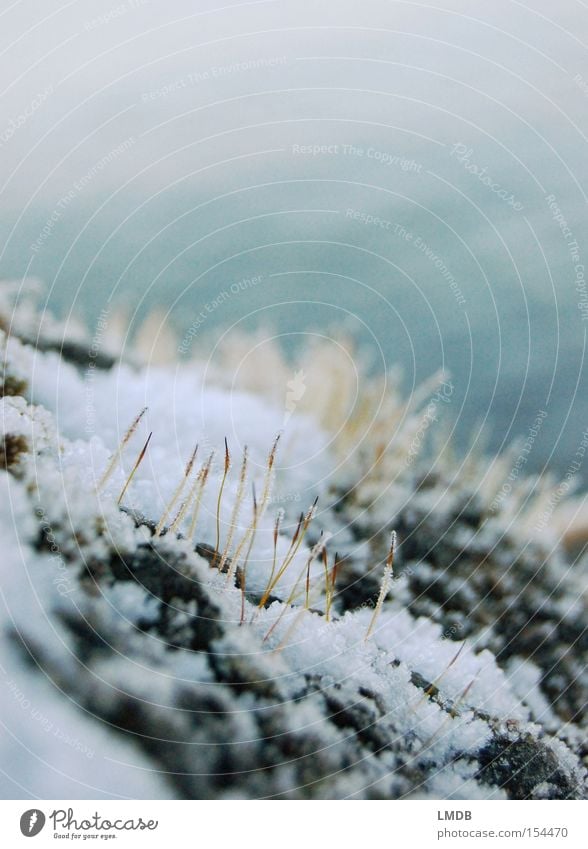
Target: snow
{"points": [[74, 425], [50, 748], [524, 678]]}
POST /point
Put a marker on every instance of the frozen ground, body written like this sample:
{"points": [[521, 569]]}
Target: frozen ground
{"points": [[147, 655]]}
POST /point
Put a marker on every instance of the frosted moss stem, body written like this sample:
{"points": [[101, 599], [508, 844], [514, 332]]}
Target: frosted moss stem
{"points": [[384, 586]]}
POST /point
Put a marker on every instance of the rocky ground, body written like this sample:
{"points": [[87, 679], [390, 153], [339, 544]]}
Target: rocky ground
{"points": [[144, 658]]}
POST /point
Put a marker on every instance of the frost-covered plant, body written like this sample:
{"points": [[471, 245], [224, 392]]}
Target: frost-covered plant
{"points": [[243, 650]]}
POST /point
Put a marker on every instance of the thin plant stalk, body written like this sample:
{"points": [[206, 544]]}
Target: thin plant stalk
{"points": [[236, 509], [308, 564], [247, 556], [461, 698], [279, 516], [299, 534], [199, 485], [272, 583], [177, 492], [178, 518], [267, 481], [435, 684], [284, 641], [118, 453], [451, 715], [220, 496], [331, 589], [384, 586], [138, 462], [314, 552]]}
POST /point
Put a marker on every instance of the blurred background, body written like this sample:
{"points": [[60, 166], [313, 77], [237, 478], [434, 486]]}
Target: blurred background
{"points": [[412, 176]]}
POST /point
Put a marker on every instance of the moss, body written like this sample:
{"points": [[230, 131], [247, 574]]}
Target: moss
{"points": [[12, 386], [11, 448]]}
